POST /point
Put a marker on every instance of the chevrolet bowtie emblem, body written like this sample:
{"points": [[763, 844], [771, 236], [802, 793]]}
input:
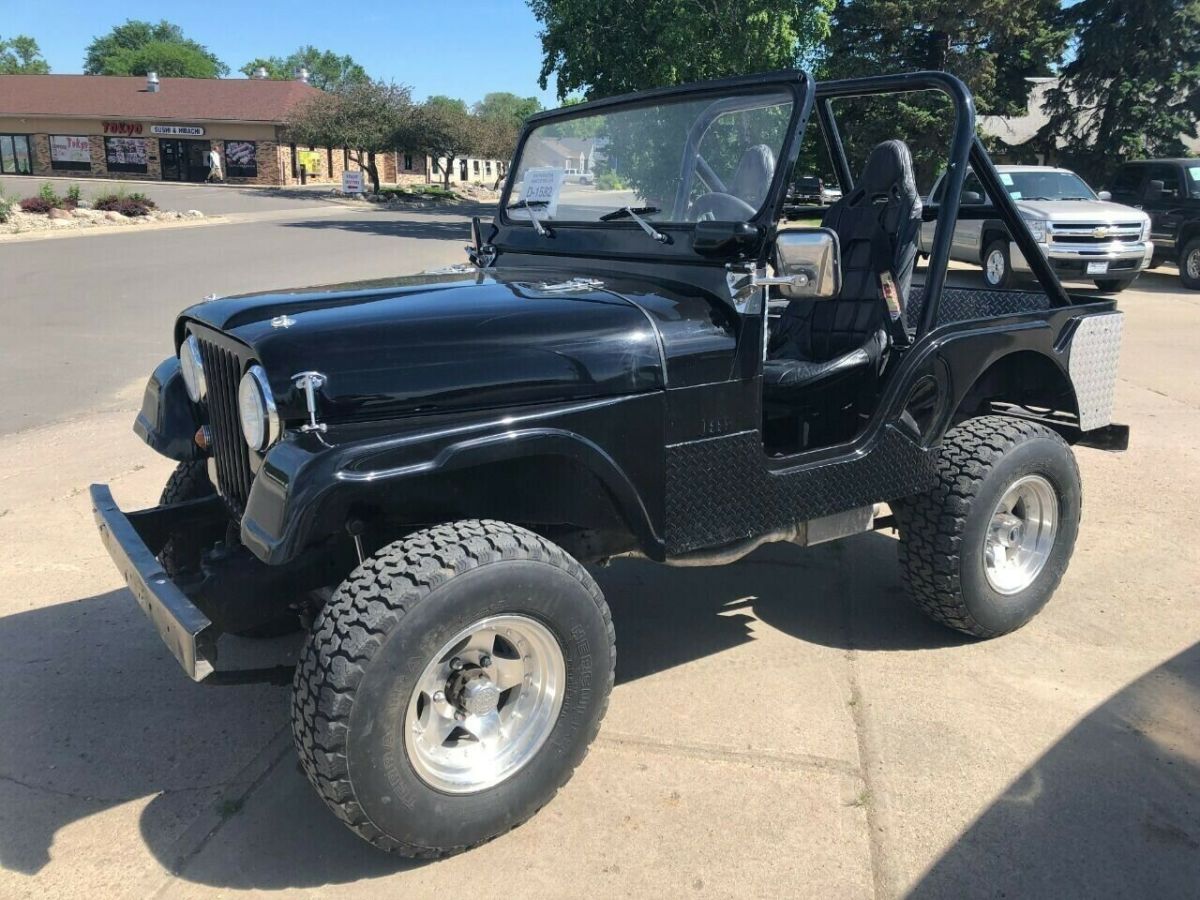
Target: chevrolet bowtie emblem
{"points": [[1101, 232]]}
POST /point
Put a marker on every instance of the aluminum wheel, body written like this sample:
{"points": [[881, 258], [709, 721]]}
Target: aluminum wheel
{"points": [[1020, 535], [995, 267], [485, 704], [1193, 264]]}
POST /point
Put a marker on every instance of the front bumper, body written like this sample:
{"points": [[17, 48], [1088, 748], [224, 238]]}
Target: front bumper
{"points": [[188, 633], [1124, 260]]}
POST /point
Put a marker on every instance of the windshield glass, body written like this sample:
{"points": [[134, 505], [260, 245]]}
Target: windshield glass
{"points": [[1045, 185], [1193, 180], [682, 160]]}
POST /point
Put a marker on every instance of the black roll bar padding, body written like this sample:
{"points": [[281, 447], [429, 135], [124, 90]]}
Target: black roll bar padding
{"points": [[833, 143], [1006, 211], [956, 171]]}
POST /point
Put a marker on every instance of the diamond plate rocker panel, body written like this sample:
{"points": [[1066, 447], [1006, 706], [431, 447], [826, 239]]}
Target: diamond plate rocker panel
{"points": [[1095, 351], [719, 490]]}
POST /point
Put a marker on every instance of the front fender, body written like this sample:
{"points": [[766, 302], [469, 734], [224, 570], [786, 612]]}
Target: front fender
{"points": [[306, 489], [168, 421]]}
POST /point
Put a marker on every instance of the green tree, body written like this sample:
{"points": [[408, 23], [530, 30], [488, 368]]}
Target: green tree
{"points": [[993, 45], [20, 55], [326, 70], [366, 118], [445, 130], [499, 117], [606, 47], [1132, 87], [138, 47]]}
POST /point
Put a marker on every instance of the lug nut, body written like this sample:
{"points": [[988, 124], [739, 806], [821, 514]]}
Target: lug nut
{"points": [[439, 696], [456, 664], [459, 715], [485, 660]]}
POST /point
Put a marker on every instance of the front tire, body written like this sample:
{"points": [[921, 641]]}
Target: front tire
{"points": [[1189, 265], [997, 266], [984, 551], [181, 553], [452, 685]]}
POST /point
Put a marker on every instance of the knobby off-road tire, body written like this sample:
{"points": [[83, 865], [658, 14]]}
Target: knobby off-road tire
{"points": [[181, 553], [361, 673], [943, 532]]}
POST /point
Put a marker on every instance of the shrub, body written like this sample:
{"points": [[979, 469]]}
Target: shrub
{"points": [[36, 205], [139, 197], [107, 202], [46, 192], [133, 208], [71, 201], [6, 206], [609, 181]]}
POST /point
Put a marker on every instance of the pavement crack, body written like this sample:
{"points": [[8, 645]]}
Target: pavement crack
{"points": [[771, 758]]}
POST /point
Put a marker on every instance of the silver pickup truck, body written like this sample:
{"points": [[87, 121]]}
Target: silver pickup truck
{"points": [[1085, 237]]}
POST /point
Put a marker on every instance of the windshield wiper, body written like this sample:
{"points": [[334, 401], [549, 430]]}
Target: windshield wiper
{"points": [[633, 214], [529, 206], [624, 212]]}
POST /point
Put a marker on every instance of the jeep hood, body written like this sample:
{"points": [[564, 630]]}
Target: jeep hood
{"points": [[1080, 211], [441, 342]]}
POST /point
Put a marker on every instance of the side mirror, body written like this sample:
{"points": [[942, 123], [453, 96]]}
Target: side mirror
{"points": [[971, 198], [1105, 195], [808, 263], [1154, 190]]}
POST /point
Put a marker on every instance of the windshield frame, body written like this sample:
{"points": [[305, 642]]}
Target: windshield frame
{"points": [[797, 83]]}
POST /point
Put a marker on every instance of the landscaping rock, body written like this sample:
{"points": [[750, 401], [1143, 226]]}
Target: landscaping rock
{"points": [[194, 214], [112, 216], [59, 214]]}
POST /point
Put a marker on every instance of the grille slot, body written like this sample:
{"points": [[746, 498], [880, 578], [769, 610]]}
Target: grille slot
{"points": [[223, 372], [1085, 233]]}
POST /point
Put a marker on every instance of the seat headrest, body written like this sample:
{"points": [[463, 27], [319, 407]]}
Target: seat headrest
{"points": [[753, 176], [890, 163]]}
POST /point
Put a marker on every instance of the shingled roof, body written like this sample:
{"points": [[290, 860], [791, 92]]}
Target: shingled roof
{"points": [[178, 99]]}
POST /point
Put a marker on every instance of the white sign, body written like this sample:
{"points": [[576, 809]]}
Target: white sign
{"points": [[181, 130], [352, 182], [542, 185], [68, 148]]}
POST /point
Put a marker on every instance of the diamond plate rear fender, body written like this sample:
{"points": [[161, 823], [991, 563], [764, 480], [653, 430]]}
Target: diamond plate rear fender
{"points": [[1095, 350]]}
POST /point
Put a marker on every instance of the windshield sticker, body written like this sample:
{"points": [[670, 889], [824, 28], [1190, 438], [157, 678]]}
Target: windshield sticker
{"points": [[542, 185], [1016, 195], [1005, 178]]}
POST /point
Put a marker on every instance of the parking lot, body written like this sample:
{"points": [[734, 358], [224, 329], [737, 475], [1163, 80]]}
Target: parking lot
{"points": [[785, 726]]}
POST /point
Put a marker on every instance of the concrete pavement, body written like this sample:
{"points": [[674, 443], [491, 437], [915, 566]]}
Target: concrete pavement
{"points": [[786, 726]]}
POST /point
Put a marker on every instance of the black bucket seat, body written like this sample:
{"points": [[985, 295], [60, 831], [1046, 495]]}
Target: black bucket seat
{"points": [[877, 225]]}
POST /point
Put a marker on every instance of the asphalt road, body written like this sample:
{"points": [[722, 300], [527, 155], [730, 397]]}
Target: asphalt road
{"points": [[788, 726]]}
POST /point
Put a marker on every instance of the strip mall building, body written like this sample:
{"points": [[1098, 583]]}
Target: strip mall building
{"points": [[161, 129]]}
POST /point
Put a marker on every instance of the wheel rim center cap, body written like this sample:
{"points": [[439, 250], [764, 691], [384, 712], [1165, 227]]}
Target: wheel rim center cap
{"points": [[479, 696]]}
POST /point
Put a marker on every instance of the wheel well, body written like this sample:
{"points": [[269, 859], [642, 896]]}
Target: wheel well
{"points": [[990, 233], [1189, 231], [1024, 378]]}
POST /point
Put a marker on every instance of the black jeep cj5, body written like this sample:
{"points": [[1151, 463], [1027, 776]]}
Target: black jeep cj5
{"points": [[647, 362]]}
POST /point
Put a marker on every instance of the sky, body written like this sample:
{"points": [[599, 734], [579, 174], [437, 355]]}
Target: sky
{"points": [[463, 49]]}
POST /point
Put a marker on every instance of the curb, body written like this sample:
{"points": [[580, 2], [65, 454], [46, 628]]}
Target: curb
{"points": [[17, 237]]}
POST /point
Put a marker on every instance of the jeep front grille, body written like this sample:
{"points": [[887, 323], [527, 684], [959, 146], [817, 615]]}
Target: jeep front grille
{"points": [[223, 372]]}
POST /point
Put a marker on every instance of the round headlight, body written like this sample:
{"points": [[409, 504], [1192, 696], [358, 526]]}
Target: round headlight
{"points": [[256, 409], [192, 369]]}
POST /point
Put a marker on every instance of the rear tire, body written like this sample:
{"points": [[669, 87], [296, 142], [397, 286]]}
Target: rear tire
{"points": [[997, 266], [972, 558], [1189, 265], [377, 696], [1113, 285]]}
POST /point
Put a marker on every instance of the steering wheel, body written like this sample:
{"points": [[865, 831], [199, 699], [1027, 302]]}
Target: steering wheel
{"points": [[720, 206]]}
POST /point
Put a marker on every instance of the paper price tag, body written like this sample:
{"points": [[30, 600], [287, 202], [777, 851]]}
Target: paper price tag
{"points": [[543, 184]]}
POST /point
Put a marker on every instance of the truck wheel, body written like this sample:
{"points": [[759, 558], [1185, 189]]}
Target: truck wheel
{"points": [[181, 553], [1113, 285], [1189, 265], [997, 267], [984, 551], [452, 685]]}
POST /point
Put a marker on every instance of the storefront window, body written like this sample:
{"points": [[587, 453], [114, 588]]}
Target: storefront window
{"points": [[408, 162], [70, 151], [14, 155], [125, 154], [241, 159]]}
